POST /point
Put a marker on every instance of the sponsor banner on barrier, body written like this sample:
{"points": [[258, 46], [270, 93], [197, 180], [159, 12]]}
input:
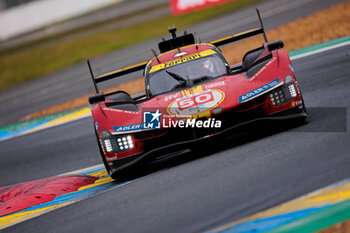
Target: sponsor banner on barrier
{"points": [[185, 6]]}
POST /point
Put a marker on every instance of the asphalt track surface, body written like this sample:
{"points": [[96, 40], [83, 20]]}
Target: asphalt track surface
{"points": [[75, 81], [196, 193]]}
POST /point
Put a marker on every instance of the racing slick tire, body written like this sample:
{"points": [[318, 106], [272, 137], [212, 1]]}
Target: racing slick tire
{"points": [[303, 109]]}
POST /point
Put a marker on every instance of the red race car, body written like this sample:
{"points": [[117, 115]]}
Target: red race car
{"points": [[192, 95]]}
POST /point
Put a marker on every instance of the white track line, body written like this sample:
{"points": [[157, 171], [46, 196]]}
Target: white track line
{"points": [[320, 50]]}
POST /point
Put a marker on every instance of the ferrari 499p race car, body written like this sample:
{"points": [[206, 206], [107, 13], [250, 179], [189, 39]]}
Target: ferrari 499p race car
{"points": [[191, 95]]}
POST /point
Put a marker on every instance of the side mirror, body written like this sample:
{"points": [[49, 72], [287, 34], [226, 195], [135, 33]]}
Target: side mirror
{"points": [[275, 45], [228, 68], [96, 98]]}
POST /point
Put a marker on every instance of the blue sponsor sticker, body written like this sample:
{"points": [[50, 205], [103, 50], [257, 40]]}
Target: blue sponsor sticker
{"points": [[96, 126], [151, 120], [258, 91], [127, 128], [291, 68]]}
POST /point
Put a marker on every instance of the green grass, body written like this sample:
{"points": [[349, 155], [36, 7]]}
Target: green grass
{"points": [[76, 32], [31, 60]]}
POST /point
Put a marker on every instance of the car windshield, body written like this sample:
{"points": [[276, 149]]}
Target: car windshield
{"points": [[185, 74]]}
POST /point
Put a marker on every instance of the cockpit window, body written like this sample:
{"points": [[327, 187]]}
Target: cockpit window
{"points": [[183, 74]]}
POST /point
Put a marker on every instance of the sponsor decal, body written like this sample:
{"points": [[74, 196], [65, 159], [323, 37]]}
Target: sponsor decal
{"points": [[119, 110], [263, 69], [181, 60], [112, 110], [172, 96], [184, 6], [192, 90], [291, 68], [298, 102], [212, 85], [151, 120], [96, 126], [196, 103], [110, 159], [258, 91], [127, 128]]}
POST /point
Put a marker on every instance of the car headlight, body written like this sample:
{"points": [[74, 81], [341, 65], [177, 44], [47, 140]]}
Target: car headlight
{"points": [[125, 143], [277, 97], [292, 91], [108, 145], [116, 143], [106, 137]]}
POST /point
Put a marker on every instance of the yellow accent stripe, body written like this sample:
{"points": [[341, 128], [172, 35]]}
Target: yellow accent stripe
{"points": [[86, 170], [321, 197], [206, 114], [98, 182], [23, 216], [61, 120], [122, 69], [196, 89], [192, 90], [182, 60], [100, 174], [228, 37]]}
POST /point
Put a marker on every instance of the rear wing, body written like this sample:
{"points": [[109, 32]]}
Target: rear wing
{"points": [[121, 72], [176, 42], [242, 35]]}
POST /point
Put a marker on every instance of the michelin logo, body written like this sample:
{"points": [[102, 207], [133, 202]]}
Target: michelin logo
{"points": [[258, 91], [151, 120]]}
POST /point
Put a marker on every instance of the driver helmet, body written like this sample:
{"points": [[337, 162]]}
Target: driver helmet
{"points": [[208, 65]]}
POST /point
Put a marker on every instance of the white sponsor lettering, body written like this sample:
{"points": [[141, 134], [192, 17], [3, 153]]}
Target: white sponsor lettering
{"points": [[191, 123], [119, 110], [127, 127], [217, 84], [258, 91], [263, 69], [172, 96], [110, 159], [298, 102]]}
